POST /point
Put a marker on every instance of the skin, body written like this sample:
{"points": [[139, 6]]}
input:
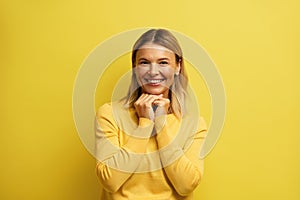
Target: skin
{"points": [[155, 70]]}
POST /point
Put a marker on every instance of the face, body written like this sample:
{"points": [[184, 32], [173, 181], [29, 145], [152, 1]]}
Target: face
{"points": [[155, 69]]}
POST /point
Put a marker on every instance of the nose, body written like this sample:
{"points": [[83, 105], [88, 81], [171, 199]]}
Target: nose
{"points": [[154, 69]]}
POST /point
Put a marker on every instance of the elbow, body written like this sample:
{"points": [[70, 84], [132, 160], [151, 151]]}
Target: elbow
{"points": [[109, 187], [187, 188], [104, 176]]}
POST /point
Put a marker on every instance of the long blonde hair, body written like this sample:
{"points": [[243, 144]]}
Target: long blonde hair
{"points": [[177, 95]]}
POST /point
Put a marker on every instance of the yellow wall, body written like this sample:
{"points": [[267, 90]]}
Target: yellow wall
{"points": [[253, 43]]}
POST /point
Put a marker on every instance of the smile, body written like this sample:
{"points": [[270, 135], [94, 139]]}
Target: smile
{"points": [[154, 81]]}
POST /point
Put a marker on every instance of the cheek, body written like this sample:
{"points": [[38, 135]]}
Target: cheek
{"points": [[140, 70], [139, 73], [170, 81], [169, 73]]}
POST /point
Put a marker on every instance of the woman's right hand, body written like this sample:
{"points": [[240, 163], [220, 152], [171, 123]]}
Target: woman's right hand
{"points": [[143, 105]]}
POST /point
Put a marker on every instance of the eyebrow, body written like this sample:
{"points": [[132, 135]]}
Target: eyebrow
{"points": [[158, 59]]}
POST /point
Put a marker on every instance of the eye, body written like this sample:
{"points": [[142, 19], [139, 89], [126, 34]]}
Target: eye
{"points": [[163, 63], [143, 63]]}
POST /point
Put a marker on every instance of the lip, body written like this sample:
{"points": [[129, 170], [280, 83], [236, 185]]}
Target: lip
{"points": [[154, 82]]}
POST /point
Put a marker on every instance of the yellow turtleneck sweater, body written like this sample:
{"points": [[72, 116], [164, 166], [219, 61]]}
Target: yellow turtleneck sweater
{"points": [[142, 159]]}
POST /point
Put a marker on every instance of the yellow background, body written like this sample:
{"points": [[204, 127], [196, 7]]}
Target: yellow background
{"points": [[253, 43]]}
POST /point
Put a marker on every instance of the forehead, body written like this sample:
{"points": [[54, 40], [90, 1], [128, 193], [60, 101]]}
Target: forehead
{"points": [[153, 51]]}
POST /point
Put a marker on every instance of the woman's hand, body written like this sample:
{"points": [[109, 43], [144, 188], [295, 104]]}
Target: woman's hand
{"points": [[163, 105], [145, 106]]}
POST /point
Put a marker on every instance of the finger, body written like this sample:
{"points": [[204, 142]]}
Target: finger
{"points": [[159, 103], [145, 101], [140, 99], [163, 101], [150, 99]]}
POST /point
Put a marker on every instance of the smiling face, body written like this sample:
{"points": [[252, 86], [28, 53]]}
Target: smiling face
{"points": [[155, 69]]}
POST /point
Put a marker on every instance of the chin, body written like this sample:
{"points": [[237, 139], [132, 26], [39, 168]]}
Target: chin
{"points": [[155, 92]]}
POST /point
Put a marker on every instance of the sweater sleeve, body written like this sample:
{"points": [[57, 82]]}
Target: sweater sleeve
{"points": [[186, 168], [116, 163]]}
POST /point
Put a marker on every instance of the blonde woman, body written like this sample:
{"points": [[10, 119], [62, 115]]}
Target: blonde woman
{"points": [[148, 144]]}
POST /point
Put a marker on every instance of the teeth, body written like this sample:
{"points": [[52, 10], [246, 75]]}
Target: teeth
{"points": [[154, 80]]}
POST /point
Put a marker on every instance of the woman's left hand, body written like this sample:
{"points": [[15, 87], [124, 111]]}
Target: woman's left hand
{"points": [[163, 105]]}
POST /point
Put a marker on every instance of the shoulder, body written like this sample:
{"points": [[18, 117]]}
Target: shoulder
{"points": [[195, 120], [202, 123], [202, 128], [103, 110], [111, 109]]}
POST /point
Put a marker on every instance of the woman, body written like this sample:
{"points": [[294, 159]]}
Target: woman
{"points": [[148, 144]]}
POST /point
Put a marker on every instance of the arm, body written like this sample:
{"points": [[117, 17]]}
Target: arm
{"points": [[111, 157], [187, 169]]}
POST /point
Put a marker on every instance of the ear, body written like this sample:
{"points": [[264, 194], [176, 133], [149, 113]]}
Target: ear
{"points": [[178, 67]]}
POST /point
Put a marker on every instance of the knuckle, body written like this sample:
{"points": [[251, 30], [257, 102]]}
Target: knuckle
{"points": [[147, 105]]}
